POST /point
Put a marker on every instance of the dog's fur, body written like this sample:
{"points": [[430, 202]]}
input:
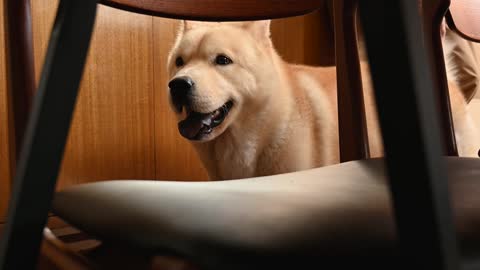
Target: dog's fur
{"points": [[284, 116]]}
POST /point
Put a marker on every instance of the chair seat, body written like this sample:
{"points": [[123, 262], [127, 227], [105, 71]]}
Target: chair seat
{"points": [[319, 215]]}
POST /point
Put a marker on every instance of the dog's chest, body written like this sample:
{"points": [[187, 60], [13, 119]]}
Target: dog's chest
{"points": [[237, 160]]}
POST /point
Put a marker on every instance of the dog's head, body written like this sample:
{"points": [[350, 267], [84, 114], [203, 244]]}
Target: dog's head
{"points": [[216, 72]]}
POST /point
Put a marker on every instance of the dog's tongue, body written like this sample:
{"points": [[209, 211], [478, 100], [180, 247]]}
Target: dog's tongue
{"points": [[194, 124]]}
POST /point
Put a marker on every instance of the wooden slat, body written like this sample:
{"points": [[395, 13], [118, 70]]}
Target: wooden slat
{"points": [[218, 10], [5, 153]]}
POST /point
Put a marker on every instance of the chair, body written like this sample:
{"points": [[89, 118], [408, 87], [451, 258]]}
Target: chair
{"points": [[271, 222]]}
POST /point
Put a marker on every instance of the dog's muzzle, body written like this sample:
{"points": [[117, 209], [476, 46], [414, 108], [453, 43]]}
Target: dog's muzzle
{"points": [[198, 125]]}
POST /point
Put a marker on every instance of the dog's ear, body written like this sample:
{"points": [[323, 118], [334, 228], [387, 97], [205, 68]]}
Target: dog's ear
{"points": [[189, 25], [260, 30]]}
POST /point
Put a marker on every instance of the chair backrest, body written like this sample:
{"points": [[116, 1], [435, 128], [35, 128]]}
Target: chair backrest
{"points": [[217, 10], [464, 18]]}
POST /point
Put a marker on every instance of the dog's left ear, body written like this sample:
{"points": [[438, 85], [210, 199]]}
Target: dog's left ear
{"points": [[260, 30]]}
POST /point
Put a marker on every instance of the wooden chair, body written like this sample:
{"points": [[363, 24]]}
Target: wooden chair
{"points": [[280, 221]]}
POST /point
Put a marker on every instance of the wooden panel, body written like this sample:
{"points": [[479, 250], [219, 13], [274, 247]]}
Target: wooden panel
{"points": [[112, 131], [4, 123], [305, 39]]}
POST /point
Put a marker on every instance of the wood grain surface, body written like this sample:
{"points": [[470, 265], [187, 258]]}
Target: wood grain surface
{"points": [[218, 10]]}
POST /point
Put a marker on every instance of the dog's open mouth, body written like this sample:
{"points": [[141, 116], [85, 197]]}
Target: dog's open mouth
{"points": [[197, 125]]}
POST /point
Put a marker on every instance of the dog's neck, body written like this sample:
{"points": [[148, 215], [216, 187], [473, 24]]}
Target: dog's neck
{"points": [[245, 144]]}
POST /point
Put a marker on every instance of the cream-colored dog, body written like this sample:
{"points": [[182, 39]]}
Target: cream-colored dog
{"points": [[249, 113]]}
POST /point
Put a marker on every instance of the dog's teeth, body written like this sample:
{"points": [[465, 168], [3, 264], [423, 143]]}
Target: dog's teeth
{"points": [[207, 121]]}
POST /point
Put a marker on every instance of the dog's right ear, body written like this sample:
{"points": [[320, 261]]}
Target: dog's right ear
{"points": [[189, 25]]}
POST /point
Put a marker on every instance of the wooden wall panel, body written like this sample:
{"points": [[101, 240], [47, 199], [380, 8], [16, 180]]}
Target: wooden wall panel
{"points": [[4, 123], [112, 131], [305, 39]]}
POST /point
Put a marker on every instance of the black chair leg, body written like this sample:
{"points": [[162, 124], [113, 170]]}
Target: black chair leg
{"points": [[410, 127], [46, 134]]}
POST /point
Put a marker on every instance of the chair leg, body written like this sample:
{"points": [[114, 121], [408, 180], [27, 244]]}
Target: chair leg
{"points": [[433, 13], [410, 128], [20, 68], [46, 134], [352, 123]]}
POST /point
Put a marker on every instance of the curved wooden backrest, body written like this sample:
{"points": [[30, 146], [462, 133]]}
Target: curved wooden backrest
{"points": [[464, 18], [217, 10]]}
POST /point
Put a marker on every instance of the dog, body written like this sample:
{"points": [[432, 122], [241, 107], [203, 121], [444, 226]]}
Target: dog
{"points": [[249, 113]]}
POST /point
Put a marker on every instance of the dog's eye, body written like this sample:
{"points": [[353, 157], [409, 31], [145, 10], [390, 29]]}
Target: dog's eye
{"points": [[179, 61], [223, 60]]}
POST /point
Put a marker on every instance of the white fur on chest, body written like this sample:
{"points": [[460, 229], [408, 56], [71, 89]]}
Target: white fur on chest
{"points": [[237, 156]]}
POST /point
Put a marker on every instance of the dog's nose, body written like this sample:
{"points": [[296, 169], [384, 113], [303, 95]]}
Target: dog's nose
{"points": [[182, 84], [180, 87]]}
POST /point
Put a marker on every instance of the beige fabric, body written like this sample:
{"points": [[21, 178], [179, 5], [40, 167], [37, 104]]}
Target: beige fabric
{"points": [[341, 208]]}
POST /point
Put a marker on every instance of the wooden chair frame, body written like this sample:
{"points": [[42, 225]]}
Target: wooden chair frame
{"points": [[45, 133]]}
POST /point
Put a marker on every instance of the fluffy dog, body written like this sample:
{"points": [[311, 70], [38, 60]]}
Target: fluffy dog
{"points": [[249, 113]]}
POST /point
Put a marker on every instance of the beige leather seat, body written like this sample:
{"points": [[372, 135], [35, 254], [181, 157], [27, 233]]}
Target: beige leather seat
{"points": [[314, 216]]}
